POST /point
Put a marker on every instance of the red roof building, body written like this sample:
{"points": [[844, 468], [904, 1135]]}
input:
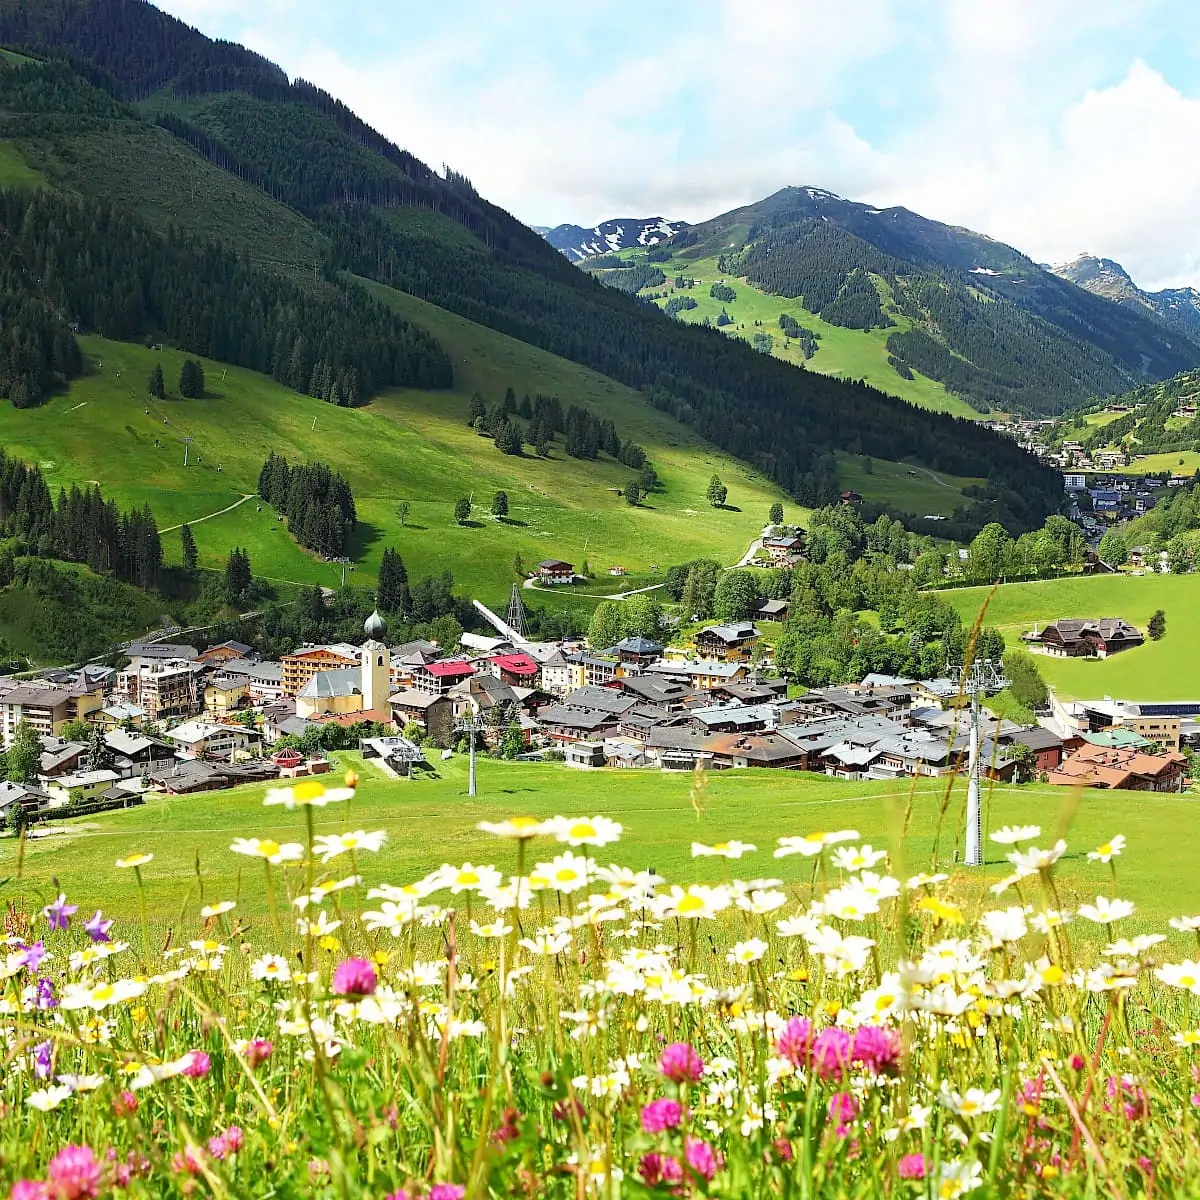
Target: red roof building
{"points": [[514, 669]]}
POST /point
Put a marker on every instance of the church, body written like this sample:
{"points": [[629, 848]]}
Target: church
{"points": [[362, 691]]}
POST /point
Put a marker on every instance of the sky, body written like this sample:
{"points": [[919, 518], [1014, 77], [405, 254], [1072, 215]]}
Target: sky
{"points": [[1058, 126]]}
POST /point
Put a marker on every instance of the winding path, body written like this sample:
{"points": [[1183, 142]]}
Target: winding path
{"points": [[209, 517]]}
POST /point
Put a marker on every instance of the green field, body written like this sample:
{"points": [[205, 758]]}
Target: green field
{"points": [[847, 353], [431, 821], [910, 488], [14, 170], [1164, 670], [1177, 462], [407, 445]]}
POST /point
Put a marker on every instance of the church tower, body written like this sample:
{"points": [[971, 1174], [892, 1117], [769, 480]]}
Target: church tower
{"points": [[376, 665]]}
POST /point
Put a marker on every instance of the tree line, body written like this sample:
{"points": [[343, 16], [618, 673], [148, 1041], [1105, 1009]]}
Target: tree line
{"points": [[79, 526], [316, 501], [755, 407], [106, 271]]}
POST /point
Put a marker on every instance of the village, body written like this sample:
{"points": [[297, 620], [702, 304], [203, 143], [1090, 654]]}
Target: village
{"points": [[176, 719]]}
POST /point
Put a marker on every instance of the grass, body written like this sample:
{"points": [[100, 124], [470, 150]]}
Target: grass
{"points": [[15, 172], [1155, 671], [430, 821], [167, 183], [846, 353], [910, 488], [407, 445], [1177, 462]]}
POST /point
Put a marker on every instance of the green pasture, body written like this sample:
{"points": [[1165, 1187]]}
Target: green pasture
{"points": [[847, 353], [15, 171], [408, 445], [906, 486], [1177, 462], [1164, 670], [431, 820]]}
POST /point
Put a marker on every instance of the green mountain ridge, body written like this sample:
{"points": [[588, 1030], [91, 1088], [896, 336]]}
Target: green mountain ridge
{"points": [[957, 307], [368, 208]]}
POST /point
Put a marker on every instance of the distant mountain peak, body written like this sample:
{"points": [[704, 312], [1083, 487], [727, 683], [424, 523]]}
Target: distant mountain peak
{"points": [[621, 233], [1178, 307]]}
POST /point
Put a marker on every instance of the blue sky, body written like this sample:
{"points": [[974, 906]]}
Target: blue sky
{"points": [[1059, 126]]}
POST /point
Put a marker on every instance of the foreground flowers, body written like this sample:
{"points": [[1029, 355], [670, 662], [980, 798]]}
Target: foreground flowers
{"points": [[559, 1025]]}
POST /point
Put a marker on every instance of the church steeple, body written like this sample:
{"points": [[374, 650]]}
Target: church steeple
{"points": [[376, 664]]}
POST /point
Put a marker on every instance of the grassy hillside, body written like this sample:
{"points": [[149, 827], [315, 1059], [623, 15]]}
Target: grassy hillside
{"points": [[431, 821], [1158, 670], [844, 353], [407, 445], [906, 486]]}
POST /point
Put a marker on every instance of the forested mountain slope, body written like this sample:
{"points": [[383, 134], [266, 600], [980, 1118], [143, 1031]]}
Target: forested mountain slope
{"points": [[138, 76], [963, 309]]}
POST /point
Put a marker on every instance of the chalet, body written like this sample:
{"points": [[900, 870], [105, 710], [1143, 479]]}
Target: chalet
{"points": [[79, 788], [850, 498], [563, 724], [432, 711], [699, 673], [60, 757], [731, 642], [554, 571], [755, 750], [515, 669], [771, 610], [197, 739], [637, 651], [194, 775], [784, 550], [28, 797], [302, 664], [223, 652], [1085, 638], [1047, 747], [437, 678], [1121, 770], [650, 689], [734, 718]]}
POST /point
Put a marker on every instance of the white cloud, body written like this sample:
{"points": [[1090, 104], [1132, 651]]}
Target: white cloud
{"points": [[1034, 121]]}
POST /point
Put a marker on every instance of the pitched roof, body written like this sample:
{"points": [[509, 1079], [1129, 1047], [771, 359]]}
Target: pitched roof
{"points": [[602, 698], [515, 664], [731, 631], [448, 669], [343, 681], [576, 718]]}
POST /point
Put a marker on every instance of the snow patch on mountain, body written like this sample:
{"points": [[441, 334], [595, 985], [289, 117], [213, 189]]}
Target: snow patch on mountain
{"points": [[621, 233]]}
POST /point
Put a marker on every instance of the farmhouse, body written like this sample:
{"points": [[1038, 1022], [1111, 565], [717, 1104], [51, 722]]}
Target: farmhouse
{"points": [[554, 571], [731, 642], [784, 551], [1085, 638]]}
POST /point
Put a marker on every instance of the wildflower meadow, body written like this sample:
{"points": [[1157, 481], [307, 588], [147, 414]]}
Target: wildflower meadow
{"points": [[552, 1024]]}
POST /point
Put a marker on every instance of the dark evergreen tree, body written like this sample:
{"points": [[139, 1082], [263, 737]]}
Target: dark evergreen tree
{"points": [[157, 386], [191, 380], [188, 547], [476, 408], [393, 595], [238, 576], [500, 505]]}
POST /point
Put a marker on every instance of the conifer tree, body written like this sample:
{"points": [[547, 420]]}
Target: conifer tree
{"points": [[393, 595], [158, 386], [188, 546], [500, 505]]}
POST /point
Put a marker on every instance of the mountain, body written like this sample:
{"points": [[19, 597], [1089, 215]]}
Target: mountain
{"points": [[958, 307], [165, 141], [622, 233], [1178, 307]]}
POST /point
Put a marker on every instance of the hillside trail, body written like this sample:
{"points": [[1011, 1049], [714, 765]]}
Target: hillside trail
{"points": [[936, 479], [219, 513], [531, 585]]}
